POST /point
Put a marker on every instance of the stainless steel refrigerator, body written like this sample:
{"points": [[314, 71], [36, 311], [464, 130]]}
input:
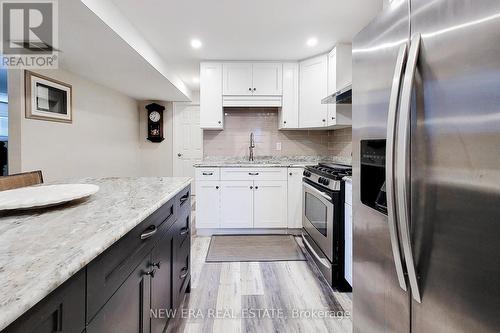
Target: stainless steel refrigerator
{"points": [[426, 168]]}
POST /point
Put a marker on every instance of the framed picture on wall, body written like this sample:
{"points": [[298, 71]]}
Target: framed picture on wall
{"points": [[47, 99]]}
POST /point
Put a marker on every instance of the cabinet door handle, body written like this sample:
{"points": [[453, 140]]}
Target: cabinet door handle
{"points": [[256, 187], [220, 122], [251, 187], [216, 187], [249, 89], [184, 273], [207, 173], [184, 198], [253, 173], [150, 273], [284, 122], [156, 264], [290, 173], [184, 231], [150, 231], [324, 120], [254, 89]]}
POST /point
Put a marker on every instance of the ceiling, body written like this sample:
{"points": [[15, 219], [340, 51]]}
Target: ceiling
{"points": [[90, 48], [244, 30]]}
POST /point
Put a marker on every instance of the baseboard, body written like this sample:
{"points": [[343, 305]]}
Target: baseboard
{"points": [[239, 231]]}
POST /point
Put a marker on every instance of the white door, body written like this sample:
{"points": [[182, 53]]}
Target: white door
{"points": [[267, 79], [294, 197], [208, 204], [188, 139], [211, 113], [237, 204], [237, 78], [313, 88], [270, 204]]}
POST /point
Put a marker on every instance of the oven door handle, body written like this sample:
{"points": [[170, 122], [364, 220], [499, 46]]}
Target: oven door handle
{"points": [[322, 261], [323, 194]]}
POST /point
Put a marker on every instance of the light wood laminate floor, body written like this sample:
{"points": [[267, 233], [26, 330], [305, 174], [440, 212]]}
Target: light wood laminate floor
{"points": [[262, 297]]}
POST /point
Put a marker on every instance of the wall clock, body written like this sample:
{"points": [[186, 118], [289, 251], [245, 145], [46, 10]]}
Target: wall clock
{"points": [[155, 122]]}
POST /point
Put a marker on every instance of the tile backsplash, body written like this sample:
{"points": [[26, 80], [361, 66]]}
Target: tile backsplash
{"points": [[263, 122]]}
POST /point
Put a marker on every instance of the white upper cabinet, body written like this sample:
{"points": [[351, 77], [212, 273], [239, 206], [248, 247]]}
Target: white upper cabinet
{"points": [[313, 88], [289, 112], [332, 71], [237, 79], [211, 112], [267, 79], [260, 79], [339, 76]]}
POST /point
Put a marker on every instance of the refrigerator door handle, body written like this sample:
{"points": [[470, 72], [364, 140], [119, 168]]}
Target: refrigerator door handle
{"points": [[403, 163], [389, 170]]}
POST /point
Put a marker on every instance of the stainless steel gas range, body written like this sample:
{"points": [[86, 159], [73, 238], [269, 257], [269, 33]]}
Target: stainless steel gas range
{"points": [[322, 219]]}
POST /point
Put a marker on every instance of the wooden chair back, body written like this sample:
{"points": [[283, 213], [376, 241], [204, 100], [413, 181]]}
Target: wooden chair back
{"points": [[21, 180]]}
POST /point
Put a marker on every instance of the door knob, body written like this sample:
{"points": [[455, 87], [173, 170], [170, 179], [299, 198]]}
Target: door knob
{"points": [[179, 154]]}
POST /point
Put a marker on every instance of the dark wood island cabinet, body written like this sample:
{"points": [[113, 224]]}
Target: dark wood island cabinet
{"points": [[131, 287]]}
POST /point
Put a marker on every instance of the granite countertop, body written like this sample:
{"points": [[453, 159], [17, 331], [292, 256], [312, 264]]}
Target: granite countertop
{"points": [[39, 250], [269, 161]]}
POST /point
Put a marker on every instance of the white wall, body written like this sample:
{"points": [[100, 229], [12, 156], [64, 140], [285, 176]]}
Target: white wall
{"points": [[103, 139], [156, 158]]}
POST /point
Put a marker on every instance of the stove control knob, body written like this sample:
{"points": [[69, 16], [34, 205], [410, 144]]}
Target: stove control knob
{"points": [[326, 182], [320, 180], [306, 173]]}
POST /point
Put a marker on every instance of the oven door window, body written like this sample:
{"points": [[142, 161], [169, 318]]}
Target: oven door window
{"points": [[316, 212]]}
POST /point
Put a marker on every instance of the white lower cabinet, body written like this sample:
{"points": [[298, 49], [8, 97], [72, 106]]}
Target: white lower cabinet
{"points": [[244, 198], [208, 214], [237, 203], [294, 197], [270, 204]]}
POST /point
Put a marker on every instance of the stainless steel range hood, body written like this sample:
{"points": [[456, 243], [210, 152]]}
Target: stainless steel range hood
{"points": [[342, 96]]}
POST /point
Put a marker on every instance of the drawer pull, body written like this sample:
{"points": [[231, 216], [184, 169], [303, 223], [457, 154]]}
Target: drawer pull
{"points": [[253, 173], [184, 231], [184, 273], [149, 232], [150, 273], [207, 173], [184, 198]]}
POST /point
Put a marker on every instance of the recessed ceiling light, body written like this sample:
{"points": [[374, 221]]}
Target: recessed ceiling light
{"points": [[312, 41], [195, 43], [196, 79]]}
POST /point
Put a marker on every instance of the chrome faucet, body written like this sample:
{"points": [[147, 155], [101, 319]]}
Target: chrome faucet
{"points": [[252, 146]]}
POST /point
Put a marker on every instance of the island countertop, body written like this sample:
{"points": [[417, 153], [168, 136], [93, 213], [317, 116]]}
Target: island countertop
{"points": [[41, 249]]}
